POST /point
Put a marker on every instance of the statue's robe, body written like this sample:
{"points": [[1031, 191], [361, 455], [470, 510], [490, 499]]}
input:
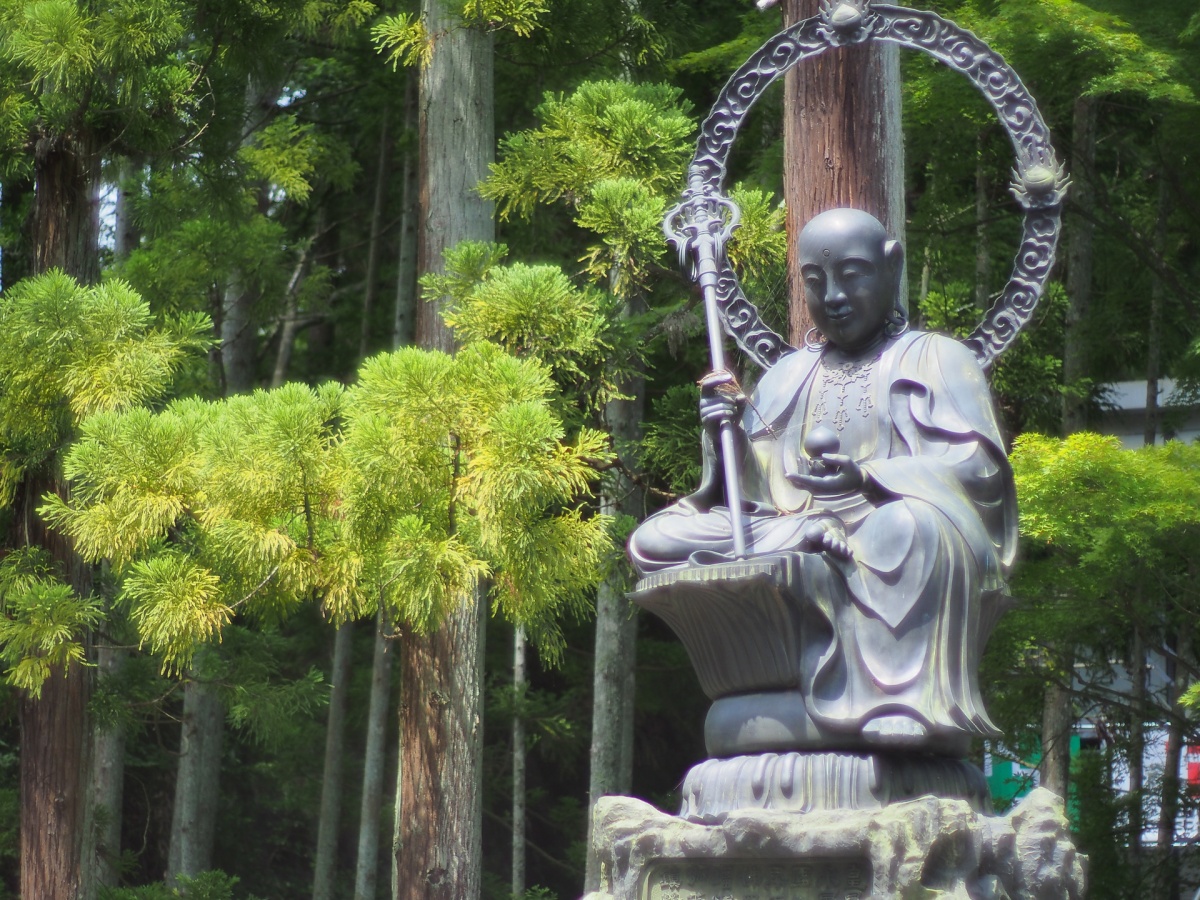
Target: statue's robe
{"points": [[899, 627]]}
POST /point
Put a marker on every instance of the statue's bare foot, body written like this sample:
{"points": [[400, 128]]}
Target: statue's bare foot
{"points": [[834, 543], [895, 731], [826, 535]]}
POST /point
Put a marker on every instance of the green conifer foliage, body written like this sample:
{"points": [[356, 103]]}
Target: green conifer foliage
{"points": [[66, 352], [604, 130], [538, 311], [430, 474], [458, 469], [404, 39]]}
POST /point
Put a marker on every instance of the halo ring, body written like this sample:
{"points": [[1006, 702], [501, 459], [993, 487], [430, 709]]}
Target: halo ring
{"points": [[1039, 182]]}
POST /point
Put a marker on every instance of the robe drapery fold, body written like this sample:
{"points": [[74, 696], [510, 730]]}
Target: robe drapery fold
{"points": [[899, 627]]}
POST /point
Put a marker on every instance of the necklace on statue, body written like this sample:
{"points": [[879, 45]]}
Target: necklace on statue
{"points": [[840, 379]]}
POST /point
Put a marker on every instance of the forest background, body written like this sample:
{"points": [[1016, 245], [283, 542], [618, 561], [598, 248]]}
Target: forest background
{"points": [[233, 192]]}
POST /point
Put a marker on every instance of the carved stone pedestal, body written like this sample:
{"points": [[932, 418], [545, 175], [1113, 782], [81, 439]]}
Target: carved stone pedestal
{"points": [[922, 848], [806, 782]]}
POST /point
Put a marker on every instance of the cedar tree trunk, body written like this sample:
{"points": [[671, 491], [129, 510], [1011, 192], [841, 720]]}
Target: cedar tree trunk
{"points": [[438, 845], [843, 144]]}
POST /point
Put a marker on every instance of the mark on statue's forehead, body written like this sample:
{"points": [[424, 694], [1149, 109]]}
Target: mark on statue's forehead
{"points": [[826, 251]]}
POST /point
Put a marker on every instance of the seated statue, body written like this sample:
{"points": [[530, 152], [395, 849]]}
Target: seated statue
{"points": [[874, 457]]}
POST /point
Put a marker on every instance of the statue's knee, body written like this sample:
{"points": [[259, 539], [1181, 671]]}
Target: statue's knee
{"points": [[647, 541]]}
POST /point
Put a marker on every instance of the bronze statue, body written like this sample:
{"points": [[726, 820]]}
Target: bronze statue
{"points": [[873, 471]]}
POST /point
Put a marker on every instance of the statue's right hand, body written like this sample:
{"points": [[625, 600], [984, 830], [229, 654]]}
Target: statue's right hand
{"points": [[720, 398]]}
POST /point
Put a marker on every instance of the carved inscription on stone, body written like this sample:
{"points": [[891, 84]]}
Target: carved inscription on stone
{"points": [[828, 878]]}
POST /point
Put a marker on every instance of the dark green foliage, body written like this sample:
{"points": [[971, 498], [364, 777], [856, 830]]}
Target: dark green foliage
{"points": [[1098, 829], [671, 448], [9, 807], [215, 885]]}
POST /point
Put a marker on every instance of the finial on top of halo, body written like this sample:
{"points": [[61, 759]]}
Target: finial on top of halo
{"points": [[846, 21], [1039, 184]]}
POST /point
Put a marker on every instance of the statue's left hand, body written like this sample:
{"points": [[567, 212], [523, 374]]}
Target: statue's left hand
{"points": [[843, 476]]}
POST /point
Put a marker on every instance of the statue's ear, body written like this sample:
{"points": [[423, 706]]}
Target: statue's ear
{"points": [[893, 253]]}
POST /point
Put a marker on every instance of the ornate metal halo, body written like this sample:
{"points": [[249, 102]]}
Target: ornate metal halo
{"points": [[1039, 180]]}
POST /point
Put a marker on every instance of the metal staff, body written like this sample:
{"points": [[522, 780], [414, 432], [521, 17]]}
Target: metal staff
{"points": [[698, 225]]}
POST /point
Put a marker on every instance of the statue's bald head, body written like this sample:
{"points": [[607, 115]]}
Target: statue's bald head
{"points": [[851, 275], [838, 228]]}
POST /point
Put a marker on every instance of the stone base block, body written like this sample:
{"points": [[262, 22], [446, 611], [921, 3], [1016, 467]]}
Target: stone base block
{"points": [[922, 848]]}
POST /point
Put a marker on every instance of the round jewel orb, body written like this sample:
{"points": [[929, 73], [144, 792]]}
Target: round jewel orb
{"points": [[1039, 179], [846, 17]]}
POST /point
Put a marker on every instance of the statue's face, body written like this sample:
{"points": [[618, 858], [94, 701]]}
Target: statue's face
{"points": [[849, 272]]}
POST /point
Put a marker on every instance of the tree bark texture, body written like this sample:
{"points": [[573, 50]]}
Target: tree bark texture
{"points": [[108, 778], [194, 818], [325, 865], [1154, 327], [1058, 715], [290, 326], [1177, 728], [518, 766], [456, 125], [404, 316], [1137, 748], [440, 847], [374, 760], [57, 848], [843, 143], [983, 250], [382, 170], [1080, 241], [65, 223], [126, 235], [613, 685], [239, 316], [54, 778]]}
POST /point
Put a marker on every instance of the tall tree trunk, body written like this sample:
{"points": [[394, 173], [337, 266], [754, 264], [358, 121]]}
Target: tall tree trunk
{"points": [[57, 850], [439, 852], [457, 143], [1058, 715], [518, 765], [1177, 723], [1057, 711], [126, 235], [194, 818], [438, 847], [382, 168], [108, 739], [983, 250], [404, 317], [1154, 325], [325, 866], [108, 776], [1137, 750], [1080, 240], [290, 325], [239, 337], [54, 775], [238, 320], [613, 665], [843, 144], [66, 209], [374, 761]]}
